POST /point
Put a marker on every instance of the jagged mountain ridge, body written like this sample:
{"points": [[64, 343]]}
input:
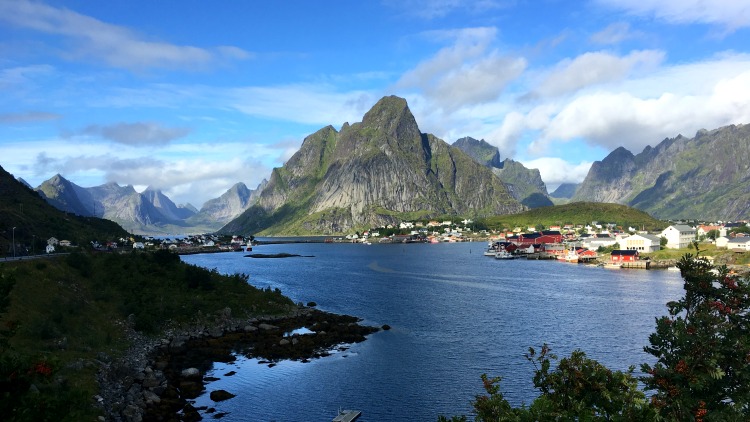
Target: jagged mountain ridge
{"points": [[372, 173], [526, 185], [704, 177], [148, 212]]}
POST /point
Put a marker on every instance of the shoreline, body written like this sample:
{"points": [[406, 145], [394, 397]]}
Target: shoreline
{"points": [[159, 377]]}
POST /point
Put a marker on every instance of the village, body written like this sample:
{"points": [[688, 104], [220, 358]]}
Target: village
{"points": [[601, 243]]}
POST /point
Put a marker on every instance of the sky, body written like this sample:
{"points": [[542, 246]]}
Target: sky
{"points": [[191, 97]]}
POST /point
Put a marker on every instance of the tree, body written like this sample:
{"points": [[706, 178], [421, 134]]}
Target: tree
{"points": [[578, 388], [712, 234], [663, 242], [703, 348]]}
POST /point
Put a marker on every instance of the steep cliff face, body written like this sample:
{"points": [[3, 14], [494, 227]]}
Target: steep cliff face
{"points": [[608, 179], [375, 172], [524, 184], [706, 177]]}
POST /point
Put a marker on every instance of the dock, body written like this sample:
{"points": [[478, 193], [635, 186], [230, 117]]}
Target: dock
{"points": [[347, 416]]}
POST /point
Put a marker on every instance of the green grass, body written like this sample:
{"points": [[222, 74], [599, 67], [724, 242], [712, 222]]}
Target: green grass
{"points": [[577, 213], [66, 310]]}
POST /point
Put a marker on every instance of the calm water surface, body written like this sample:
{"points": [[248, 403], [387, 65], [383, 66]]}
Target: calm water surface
{"points": [[455, 315]]}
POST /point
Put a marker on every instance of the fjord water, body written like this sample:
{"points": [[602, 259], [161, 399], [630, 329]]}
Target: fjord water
{"points": [[455, 314]]}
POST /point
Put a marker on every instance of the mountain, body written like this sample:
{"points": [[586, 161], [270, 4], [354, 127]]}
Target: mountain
{"points": [[35, 220], [219, 211], [165, 205], [526, 185], [705, 177], [565, 191], [149, 212], [373, 173], [64, 195], [481, 151]]}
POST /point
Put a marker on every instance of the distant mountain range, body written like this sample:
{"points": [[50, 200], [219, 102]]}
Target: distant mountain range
{"points": [[705, 177], [384, 170], [380, 171], [526, 185], [149, 212]]}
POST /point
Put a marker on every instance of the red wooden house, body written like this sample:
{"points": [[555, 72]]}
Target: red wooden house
{"points": [[621, 255]]}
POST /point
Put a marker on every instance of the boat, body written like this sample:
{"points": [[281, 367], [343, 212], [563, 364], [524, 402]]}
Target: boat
{"points": [[490, 252], [571, 256], [503, 254], [347, 415]]}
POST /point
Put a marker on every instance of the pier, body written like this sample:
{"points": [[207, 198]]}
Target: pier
{"points": [[347, 416]]}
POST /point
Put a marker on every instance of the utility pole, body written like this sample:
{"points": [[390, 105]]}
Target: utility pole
{"points": [[14, 242]]}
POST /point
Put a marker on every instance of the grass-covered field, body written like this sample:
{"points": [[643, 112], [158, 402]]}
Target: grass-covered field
{"points": [[59, 315], [577, 213]]}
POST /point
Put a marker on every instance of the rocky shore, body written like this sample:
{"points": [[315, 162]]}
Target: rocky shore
{"points": [[158, 377]]}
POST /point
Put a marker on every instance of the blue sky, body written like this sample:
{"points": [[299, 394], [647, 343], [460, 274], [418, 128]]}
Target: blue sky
{"points": [[191, 97]]}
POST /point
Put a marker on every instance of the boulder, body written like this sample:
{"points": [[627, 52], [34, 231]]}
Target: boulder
{"points": [[191, 373], [265, 326], [221, 395], [250, 328]]}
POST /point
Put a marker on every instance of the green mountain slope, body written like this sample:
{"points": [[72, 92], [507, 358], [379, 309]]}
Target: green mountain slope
{"points": [[577, 213]]}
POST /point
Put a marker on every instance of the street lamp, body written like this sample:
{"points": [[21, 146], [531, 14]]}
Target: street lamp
{"points": [[14, 242]]}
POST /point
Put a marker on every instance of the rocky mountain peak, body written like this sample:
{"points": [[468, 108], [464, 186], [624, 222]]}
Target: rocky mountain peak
{"points": [[480, 150], [391, 115]]}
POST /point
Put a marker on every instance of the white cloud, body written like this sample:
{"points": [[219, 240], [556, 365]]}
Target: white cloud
{"points": [[464, 73], [432, 9], [614, 33], [27, 117], [613, 119], [114, 45], [731, 14], [556, 171], [302, 103], [595, 68], [137, 134]]}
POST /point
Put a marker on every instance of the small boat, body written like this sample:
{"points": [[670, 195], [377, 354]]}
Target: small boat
{"points": [[503, 254], [490, 252]]}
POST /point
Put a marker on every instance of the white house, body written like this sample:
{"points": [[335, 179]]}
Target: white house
{"points": [[739, 243], [678, 236], [643, 243], [138, 245], [721, 242], [49, 249], [53, 241]]}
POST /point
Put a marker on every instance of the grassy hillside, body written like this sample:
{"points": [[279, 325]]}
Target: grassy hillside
{"points": [[577, 213], [61, 317], [36, 221]]}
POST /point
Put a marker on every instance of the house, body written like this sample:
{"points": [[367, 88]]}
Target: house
{"points": [[65, 243], [703, 230], [641, 242], [622, 255], [49, 248], [678, 236], [739, 244], [138, 245], [53, 241]]}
